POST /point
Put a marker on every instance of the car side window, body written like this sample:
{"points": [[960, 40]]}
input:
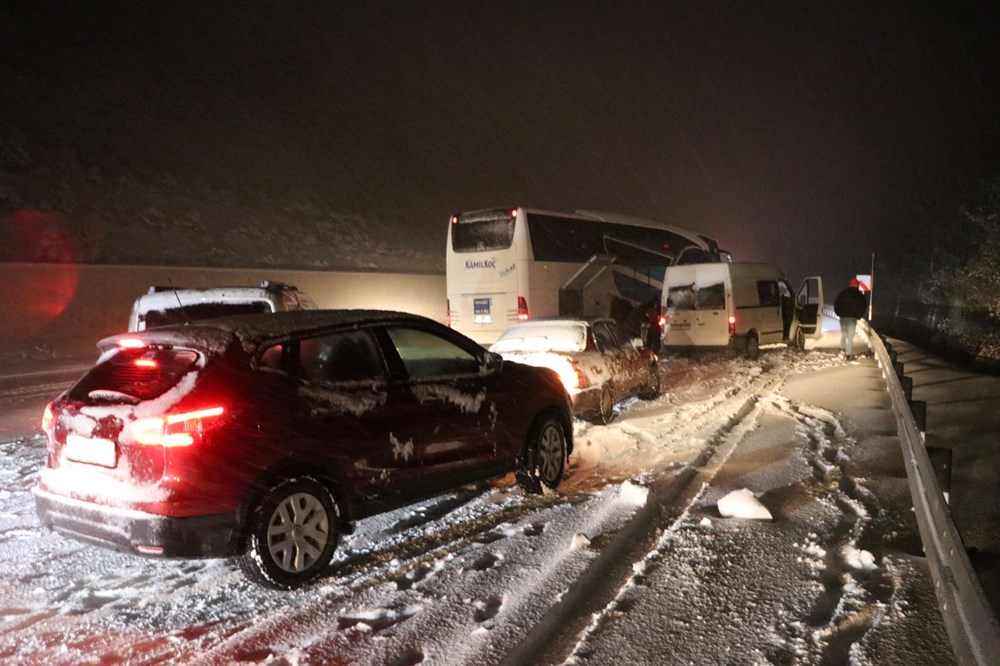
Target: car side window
{"points": [[605, 338], [350, 356], [425, 354], [624, 342]]}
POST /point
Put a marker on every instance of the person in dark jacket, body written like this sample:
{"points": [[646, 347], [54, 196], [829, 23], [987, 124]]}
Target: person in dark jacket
{"points": [[850, 306]]}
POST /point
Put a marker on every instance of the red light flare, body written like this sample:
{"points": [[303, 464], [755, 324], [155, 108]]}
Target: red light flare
{"points": [[32, 299]]}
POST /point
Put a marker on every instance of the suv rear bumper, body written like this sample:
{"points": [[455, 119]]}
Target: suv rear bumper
{"points": [[138, 532]]}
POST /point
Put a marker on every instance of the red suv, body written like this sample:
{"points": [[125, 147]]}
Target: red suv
{"points": [[265, 436]]}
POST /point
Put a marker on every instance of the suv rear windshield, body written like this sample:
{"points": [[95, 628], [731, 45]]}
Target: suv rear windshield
{"points": [[134, 375], [189, 313]]}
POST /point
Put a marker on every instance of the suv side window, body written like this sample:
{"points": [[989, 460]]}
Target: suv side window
{"points": [[425, 354], [350, 356]]}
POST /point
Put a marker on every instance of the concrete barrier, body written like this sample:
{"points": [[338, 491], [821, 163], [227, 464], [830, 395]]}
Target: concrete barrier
{"points": [[67, 308]]}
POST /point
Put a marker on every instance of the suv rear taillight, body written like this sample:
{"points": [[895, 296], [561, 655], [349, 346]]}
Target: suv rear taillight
{"points": [[47, 418], [522, 308], [732, 324], [175, 429]]}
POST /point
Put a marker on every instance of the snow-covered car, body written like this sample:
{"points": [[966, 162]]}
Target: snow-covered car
{"points": [[264, 436], [166, 305], [598, 363]]}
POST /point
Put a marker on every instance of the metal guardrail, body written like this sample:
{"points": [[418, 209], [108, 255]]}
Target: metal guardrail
{"points": [[972, 627]]}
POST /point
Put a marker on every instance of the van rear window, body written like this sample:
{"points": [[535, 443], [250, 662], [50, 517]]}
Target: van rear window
{"points": [[198, 311], [134, 375]]}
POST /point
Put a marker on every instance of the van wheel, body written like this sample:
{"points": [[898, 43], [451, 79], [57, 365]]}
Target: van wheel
{"points": [[544, 459], [800, 339], [752, 347], [606, 408], [292, 535]]}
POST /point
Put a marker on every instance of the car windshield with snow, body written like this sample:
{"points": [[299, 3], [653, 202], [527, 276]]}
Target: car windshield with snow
{"points": [[597, 362], [265, 436]]}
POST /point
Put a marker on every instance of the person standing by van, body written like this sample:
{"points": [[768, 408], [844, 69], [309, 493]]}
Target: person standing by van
{"points": [[850, 306]]}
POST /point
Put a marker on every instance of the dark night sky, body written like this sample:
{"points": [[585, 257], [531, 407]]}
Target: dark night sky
{"points": [[800, 133]]}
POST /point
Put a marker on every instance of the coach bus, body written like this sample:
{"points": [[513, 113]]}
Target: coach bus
{"points": [[518, 263]]}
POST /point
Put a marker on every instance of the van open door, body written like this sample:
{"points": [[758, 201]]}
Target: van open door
{"points": [[808, 321]]}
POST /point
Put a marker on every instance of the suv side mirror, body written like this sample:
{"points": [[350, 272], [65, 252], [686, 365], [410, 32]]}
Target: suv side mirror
{"points": [[492, 362]]}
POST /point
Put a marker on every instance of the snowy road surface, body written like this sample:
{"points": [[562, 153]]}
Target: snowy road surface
{"points": [[630, 561]]}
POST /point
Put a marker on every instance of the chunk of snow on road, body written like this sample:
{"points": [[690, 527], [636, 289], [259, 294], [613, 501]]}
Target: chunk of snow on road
{"points": [[742, 504], [859, 559], [580, 540], [633, 494], [706, 522]]}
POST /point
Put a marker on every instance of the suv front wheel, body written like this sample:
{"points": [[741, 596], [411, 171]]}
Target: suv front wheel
{"points": [[544, 459], [292, 534]]}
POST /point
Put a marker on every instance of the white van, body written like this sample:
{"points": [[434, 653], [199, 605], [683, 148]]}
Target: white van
{"points": [[162, 305], [738, 306]]}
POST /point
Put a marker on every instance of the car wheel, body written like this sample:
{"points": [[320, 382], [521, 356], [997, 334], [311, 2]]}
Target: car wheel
{"points": [[800, 339], [292, 534], [544, 459], [751, 348], [606, 407], [652, 389]]}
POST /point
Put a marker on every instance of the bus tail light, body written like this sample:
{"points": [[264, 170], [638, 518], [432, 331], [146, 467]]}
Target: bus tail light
{"points": [[732, 324], [522, 308]]}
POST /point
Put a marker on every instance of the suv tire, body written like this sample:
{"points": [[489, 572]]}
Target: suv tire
{"points": [[544, 460], [292, 534]]}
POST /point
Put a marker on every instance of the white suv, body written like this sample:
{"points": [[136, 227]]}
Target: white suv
{"points": [[162, 306]]}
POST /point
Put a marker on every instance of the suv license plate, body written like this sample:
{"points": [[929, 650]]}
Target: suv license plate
{"points": [[91, 451]]}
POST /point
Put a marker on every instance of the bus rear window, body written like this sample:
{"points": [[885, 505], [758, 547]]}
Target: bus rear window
{"points": [[483, 234]]}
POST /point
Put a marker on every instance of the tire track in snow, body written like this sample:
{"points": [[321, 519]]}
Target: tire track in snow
{"points": [[595, 591]]}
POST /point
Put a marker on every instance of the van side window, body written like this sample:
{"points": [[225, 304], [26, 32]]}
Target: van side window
{"points": [[712, 296], [768, 293]]}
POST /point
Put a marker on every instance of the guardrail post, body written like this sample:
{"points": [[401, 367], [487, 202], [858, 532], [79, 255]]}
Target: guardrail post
{"points": [[907, 384], [941, 462], [919, 410]]}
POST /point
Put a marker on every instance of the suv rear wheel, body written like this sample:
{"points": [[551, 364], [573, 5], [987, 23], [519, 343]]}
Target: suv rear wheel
{"points": [[544, 458], [292, 534]]}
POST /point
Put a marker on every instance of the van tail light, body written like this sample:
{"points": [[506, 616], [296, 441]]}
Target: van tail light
{"points": [[661, 321], [175, 429], [47, 418], [522, 308], [732, 324]]}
